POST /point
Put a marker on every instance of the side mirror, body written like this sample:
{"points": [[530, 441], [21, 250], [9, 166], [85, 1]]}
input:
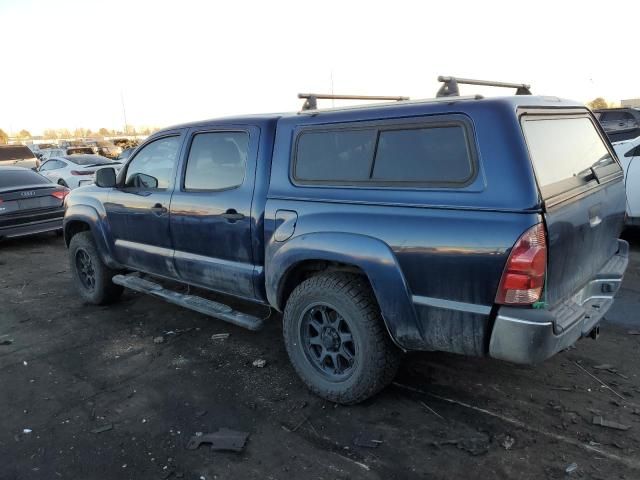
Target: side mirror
{"points": [[106, 177]]}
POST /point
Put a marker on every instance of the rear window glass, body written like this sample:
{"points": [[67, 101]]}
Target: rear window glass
{"points": [[85, 160], [564, 148], [18, 178], [435, 154], [15, 152], [430, 155], [342, 156]]}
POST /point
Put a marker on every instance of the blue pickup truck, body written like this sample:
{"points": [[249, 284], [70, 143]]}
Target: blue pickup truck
{"points": [[479, 226]]}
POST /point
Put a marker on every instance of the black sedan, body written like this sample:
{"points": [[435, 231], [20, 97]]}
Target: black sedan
{"points": [[29, 203]]}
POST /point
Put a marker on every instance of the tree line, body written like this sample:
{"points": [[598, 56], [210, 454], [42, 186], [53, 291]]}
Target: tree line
{"points": [[54, 134]]}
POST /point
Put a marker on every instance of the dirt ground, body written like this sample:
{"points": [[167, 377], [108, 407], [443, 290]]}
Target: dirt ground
{"points": [[86, 393]]}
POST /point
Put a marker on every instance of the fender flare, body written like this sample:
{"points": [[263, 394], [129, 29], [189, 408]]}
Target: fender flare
{"points": [[371, 255], [98, 227]]}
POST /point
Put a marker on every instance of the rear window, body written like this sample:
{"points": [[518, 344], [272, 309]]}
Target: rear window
{"points": [[85, 160], [434, 154], [341, 156], [566, 152], [18, 178], [15, 152]]}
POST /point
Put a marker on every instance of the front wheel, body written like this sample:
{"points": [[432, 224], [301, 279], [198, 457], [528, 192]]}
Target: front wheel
{"points": [[91, 276], [336, 339]]}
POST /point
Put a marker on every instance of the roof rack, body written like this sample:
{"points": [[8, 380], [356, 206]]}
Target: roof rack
{"points": [[449, 86], [311, 99]]}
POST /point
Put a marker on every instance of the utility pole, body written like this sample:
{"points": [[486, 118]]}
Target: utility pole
{"points": [[124, 113]]}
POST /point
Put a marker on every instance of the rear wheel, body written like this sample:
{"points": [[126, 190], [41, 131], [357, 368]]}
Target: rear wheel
{"points": [[91, 276], [336, 339]]}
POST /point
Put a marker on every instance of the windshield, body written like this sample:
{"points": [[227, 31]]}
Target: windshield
{"points": [[15, 152], [86, 160], [564, 148]]}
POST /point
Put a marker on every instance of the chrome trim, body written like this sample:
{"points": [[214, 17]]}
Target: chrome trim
{"points": [[451, 305], [525, 322]]}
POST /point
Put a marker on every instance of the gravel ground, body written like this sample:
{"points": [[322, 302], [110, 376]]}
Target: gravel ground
{"points": [[117, 392]]}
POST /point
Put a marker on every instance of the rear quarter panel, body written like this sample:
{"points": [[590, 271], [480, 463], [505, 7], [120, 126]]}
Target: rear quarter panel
{"points": [[449, 246]]}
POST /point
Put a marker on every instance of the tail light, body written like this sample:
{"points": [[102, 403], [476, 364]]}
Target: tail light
{"points": [[82, 172], [523, 277], [60, 194]]}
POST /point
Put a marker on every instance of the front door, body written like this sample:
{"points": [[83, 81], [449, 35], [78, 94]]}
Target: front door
{"points": [[138, 209], [211, 211]]}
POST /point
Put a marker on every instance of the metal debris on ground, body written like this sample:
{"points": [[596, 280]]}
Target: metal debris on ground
{"points": [[633, 332], [6, 342], [368, 440], [431, 410], [27, 430], [599, 420], [220, 336], [103, 428], [508, 442], [158, 340], [571, 468], [598, 380], [260, 363], [224, 440], [475, 446], [604, 366]]}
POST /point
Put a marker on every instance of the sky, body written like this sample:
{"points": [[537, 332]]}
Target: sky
{"points": [[71, 63]]}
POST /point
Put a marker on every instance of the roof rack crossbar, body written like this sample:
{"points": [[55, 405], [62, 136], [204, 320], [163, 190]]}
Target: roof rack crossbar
{"points": [[311, 99], [449, 86]]}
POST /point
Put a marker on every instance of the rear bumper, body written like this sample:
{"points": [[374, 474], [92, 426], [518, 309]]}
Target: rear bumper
{"points": [[530, 336], [31, 228]]}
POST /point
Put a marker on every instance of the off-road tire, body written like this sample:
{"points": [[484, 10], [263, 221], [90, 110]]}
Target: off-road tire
{"points": [[376, 358], [104, 291]]}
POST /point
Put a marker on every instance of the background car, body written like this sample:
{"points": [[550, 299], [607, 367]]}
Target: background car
{"points": [[104, 148], [628, 152], [126, 153], [47, 153], [29, 203], [81, 150], [18, 156], [619, 123], [75, 170]]}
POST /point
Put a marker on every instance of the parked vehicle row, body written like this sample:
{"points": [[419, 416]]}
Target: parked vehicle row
{"points": [[18, 156], [75, 170], [29, 203], [619, 123], [447, 224]]}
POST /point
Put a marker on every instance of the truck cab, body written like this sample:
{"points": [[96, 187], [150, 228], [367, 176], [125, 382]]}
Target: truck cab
{"points": [[483, 227]]}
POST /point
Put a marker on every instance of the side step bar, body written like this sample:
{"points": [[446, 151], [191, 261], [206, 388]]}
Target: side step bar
{"points": [[192, 302]]}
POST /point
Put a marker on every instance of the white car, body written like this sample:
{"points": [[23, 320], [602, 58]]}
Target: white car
{"points": [[74, 171], [628, 152]]}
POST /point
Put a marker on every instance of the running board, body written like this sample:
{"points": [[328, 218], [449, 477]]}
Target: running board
{"points": [[192, 302]]}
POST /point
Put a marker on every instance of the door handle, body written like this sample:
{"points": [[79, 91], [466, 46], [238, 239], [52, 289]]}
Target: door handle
{"points": [[232, 215], [158, 209]]}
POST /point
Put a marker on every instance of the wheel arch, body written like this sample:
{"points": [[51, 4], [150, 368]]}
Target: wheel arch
{"points": [[81, 218], [291, 263]]}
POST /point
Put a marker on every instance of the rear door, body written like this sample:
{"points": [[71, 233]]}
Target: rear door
{"points": [[138, 209], [211, 210], [581, 184]]}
